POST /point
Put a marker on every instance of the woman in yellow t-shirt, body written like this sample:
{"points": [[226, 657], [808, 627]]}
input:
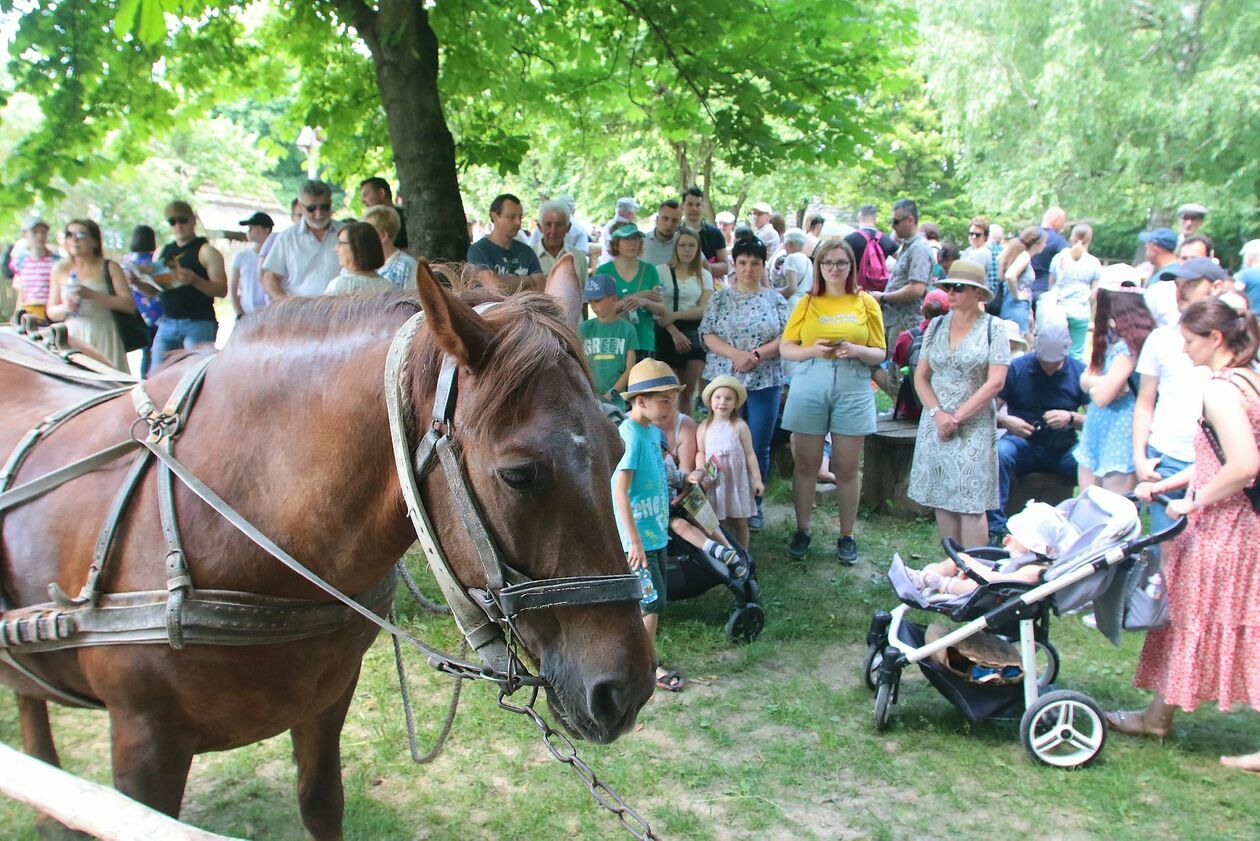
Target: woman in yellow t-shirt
{"points": [[836, 332]]}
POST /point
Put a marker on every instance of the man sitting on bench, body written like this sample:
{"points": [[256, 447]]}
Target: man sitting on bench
{"points": [[1043, 397]]}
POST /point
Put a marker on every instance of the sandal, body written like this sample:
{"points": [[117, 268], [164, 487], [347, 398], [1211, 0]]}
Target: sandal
{"points": [[670, 681], [1134, 723]]}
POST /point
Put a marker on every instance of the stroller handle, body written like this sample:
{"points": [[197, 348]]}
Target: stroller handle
{"points": [[953, 549], [1177, 527]]}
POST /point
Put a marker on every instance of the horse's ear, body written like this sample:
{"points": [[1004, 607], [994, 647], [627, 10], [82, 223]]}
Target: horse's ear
{"points": [[455, 326], [562, 284]]}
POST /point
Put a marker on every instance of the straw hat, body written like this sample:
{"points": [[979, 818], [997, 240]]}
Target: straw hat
{"points": [[726, 381], [651, 376], [965, 273]]}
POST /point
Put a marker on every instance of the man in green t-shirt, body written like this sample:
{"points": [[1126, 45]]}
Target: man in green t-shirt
{"points": [[608, 340]]}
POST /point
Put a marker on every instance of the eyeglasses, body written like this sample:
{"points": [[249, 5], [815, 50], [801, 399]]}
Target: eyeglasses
{"points": [[78, 234], [949, 288], [311, 208], [177, 220], [835, 265], [974, 234], [897, 221]]}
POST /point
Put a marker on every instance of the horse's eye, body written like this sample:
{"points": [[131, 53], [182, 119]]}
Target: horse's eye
{"points": [[520, 476]]}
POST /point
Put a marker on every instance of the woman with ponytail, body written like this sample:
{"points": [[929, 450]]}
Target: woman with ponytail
{"points": [[1073, 273], [1211, 648], [1016, 272]]}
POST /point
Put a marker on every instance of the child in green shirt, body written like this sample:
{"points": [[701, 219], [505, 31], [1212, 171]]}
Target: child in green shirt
{"points": [[608, 340]]}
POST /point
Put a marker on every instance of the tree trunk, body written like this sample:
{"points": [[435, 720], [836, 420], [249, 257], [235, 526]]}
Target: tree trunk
{"points": [[405, 54]]}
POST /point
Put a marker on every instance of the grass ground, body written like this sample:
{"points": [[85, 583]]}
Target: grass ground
{"points": [[770, 741]]}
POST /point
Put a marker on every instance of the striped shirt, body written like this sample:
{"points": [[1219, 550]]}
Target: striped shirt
{"points": [[33, 273]]}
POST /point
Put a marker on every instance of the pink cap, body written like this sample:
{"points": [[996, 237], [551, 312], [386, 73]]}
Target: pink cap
{"points": [[940, 297]]}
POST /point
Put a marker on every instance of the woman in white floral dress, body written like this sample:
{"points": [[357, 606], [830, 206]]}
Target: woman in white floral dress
{"points": [[962, 367]]}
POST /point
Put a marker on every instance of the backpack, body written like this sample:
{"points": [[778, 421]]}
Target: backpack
{"points": [[907, 404], [872, 271]]}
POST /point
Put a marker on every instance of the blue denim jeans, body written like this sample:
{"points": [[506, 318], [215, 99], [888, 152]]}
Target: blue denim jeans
{"points": [[1016, 310], [1167, 466], [761, 411], [1017, 457], [181, 333]]}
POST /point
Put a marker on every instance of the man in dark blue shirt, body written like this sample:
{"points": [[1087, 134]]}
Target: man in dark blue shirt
{"points": [[1042, 396], [1052, 222]]}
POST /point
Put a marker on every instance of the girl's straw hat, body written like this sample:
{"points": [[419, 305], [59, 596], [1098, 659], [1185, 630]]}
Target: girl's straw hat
{"points": [[726, 381]]}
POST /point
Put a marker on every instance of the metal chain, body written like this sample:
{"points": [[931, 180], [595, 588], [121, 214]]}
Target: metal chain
{"points": [[562, 748], [421, 599], [405, 690]]}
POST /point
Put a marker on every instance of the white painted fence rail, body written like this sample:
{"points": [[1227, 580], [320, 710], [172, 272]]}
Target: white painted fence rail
{"points": [[87, 806]]}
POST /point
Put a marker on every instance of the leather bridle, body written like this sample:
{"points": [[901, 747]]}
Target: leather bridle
{"points": [[484, 615]]}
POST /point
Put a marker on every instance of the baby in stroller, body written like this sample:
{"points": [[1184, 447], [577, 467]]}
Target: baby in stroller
{"points": [[1038, 535]]}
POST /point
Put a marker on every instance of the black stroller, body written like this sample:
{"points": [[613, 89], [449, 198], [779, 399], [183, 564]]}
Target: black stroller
{"points": [[1107, 565], [693, 573]]}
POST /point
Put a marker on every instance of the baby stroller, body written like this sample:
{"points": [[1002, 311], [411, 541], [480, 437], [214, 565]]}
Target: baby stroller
{"points": [[1106, 565], [692, 572]]}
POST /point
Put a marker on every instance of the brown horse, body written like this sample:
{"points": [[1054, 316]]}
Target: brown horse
{"points": [[290, 428]]}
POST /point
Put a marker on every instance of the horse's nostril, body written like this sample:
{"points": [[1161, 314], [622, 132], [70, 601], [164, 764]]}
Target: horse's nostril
{"points": [[606, 702]]}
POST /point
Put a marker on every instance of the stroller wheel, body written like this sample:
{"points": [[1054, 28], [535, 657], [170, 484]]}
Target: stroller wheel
{"points": [[870, 666], [883, 705], [745, 623], [1064, 729], [1047, 664]]}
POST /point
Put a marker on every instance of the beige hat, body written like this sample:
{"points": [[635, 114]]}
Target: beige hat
{"points": [[965, 273], [1120, 277], [762, 207], [1014, 333], [650, 376], [726, 381]]}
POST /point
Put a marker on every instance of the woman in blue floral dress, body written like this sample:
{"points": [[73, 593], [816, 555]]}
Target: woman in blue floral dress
{"points": [[1104, 455], [741, 330]]}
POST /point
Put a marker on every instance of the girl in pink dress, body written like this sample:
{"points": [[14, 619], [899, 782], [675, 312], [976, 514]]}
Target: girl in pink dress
{"points": [[1211, 648], [725, 438]]}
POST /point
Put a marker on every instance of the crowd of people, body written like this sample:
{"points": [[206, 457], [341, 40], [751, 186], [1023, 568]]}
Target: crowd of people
{"points": [[1015, 355]]}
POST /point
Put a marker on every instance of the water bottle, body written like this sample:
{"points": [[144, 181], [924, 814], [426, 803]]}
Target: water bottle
{"points": [[649, 590], [1155, 587], [72, 288]]}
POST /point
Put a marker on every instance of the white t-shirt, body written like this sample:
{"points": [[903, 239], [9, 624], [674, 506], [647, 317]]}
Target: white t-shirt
{"points": [[1074, 281], [1179, 400], [1161, 299], [767, 234], [796, 262], [689, 291], [306, 263], [249, 286]]}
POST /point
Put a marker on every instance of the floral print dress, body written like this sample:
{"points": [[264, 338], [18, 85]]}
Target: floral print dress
{"points": [[745, 320]]}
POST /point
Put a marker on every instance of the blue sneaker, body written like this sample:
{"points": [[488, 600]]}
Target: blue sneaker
{"points": [[846, 550], [757, 521], [799, 546]]}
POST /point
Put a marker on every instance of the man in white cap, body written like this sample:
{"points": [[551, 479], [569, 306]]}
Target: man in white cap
{"points": [[1190, 217], [627, 208], [761, 213], [725, 221], [1043, 398]]}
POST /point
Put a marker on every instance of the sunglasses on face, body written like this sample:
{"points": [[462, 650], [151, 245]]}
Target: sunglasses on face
{"points": [[897, 221], [78, 234], [835, 265], [974, 234], [177, 220], [949, 288], [311, 208]]}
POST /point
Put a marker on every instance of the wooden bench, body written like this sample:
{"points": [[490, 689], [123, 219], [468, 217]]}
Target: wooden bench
{"points": [[1043, 487], [886, 459]]}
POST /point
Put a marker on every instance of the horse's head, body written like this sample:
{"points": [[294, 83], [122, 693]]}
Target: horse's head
{"points": [[539, 455]]}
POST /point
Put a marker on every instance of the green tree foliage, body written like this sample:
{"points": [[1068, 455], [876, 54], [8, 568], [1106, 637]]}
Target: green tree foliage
{"points": [[1118, 110], [743, 87]]}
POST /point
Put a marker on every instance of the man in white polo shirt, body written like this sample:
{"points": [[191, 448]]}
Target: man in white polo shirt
{"points": [[303, 259], [1170, 391]]}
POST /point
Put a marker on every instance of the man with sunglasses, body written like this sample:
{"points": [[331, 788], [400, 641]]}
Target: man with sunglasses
{"points": [[303, 258], [188, 316]]}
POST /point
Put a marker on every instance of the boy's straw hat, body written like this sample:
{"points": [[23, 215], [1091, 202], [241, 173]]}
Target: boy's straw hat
{"points": [[649, 376], [726, 381]]}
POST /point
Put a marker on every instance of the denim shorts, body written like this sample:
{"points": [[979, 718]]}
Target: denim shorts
{"points": [[830, 395]]}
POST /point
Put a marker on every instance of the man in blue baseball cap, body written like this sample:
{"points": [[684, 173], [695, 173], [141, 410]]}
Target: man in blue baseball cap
{"points": [[609, 341], [1161, 252]]}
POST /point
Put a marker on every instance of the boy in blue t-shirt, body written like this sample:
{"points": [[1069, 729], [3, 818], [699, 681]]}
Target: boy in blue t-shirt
{"points": [[640, 488]]}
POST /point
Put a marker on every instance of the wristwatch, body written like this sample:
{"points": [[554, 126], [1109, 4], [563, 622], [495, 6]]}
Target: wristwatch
{"points": [[757, 354], [932, 411]]}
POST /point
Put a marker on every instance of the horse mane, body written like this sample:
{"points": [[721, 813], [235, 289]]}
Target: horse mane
{"points": [[531, 335], [301, 317]]}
